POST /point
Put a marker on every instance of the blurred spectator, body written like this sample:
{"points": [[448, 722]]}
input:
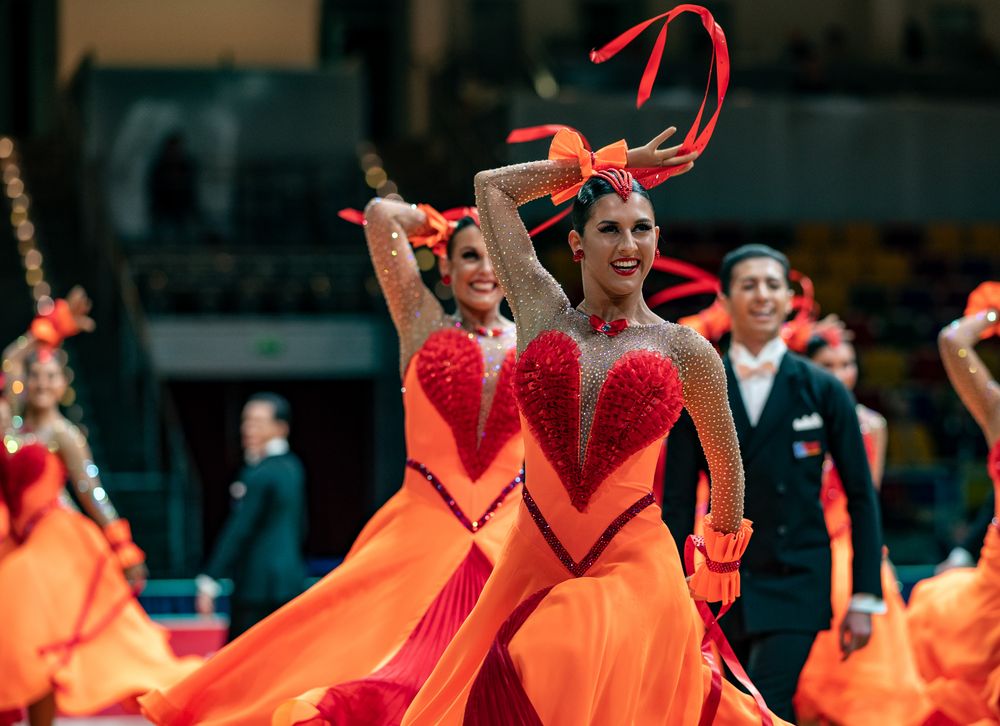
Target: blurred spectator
{"points": [[260, 546], [172, 198]]}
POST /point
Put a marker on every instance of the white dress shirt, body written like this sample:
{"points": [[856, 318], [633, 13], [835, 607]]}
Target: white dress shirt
{"points": [[756, 387]]}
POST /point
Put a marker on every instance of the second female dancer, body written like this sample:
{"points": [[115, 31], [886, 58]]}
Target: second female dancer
{"points": [[587, 618], [356, 646]]}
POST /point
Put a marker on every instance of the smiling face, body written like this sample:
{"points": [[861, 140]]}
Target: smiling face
{"points": [[618, 243], [841, 361], [759, 300], [473, 281], [46, 384]]}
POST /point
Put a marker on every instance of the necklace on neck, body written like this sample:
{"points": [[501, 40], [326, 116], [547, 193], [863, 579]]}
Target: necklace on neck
{"points": [[480, 330]]}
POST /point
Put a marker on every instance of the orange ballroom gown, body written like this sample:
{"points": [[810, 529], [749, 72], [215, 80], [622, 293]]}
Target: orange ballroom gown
{"points": [[878, 684], [70, 622], [587, 618], [954, 621], [356, 646]]}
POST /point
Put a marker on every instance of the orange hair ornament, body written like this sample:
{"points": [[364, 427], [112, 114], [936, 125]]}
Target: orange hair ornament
{"points": [[441, 225], [984, 298]]}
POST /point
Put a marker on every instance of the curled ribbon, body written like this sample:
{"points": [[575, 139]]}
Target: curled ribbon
{"points": [[695, 140], [441, 225]]}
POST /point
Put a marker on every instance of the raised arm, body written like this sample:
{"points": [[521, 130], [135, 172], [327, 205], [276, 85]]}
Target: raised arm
{"points": [[75, 453], [968, 374], [533, 293], [414, 309], [15, 358], [707, 400]]}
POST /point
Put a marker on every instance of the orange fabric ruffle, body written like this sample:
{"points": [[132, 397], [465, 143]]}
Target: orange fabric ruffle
{"points": [[54, 327], [440, 230], [712, 323], [119, 535], [721, 549], [567, 144], [983, 298]]}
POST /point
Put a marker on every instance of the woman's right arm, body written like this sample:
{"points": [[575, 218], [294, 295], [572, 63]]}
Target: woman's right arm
{"points": [[968, 374], [414, 309], [534, 295]]}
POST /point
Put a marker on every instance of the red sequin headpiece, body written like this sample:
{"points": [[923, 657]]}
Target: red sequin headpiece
{"points": [[619, 179]]}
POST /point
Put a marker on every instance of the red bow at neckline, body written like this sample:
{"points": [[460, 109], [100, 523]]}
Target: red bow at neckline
{"points": [[489, 332], [610, 329]]}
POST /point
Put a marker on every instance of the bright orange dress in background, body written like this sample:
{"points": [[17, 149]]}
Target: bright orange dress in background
{"points": [[366, 636], [69, 620], [879, 684], [954, 621], [587, 618]]}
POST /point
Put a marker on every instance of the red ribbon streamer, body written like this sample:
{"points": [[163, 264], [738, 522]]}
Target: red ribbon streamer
{"points": [[695, 140], [714, 634]]}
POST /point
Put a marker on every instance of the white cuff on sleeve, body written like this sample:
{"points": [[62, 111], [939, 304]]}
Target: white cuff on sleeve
{"points": [[864, 602]]}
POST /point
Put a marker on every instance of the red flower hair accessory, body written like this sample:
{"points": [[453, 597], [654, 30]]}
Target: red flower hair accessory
{"points": [[983, 298]]}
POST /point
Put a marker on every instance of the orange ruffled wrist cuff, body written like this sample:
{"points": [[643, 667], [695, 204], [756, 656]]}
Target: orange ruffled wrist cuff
{"points": [[56, 326], [567, 144], [119, 536], [983, 298], [717, 578]]}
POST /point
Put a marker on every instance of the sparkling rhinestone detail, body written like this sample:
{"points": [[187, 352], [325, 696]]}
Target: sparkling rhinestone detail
{"points": [[473, 525]]}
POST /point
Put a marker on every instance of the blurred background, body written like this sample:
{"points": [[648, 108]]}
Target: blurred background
{"points": [[185, 161]]}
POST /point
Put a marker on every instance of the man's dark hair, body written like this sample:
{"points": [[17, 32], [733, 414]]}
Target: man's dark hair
{"points": [[749, 252], [279, 404]]}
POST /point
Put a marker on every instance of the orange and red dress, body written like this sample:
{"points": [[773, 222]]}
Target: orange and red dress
{"points": [[70, 622], [878, 684], [357, 645], [954, 621]]}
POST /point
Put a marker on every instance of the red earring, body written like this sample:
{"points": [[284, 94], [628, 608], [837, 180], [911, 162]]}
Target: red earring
{"points": [[577, 255], [446, 279], [657, 255]]}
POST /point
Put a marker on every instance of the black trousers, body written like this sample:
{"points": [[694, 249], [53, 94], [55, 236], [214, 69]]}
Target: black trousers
{"points": [[244, 614], [773, 661]]}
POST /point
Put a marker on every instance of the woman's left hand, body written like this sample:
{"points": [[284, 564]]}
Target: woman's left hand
{"points": [[651, 155]]}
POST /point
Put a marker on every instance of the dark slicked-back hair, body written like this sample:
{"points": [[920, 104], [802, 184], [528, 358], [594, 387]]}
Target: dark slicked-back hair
{"points": [[466, 221], [749, 252], [590, 192], [282, 409]]}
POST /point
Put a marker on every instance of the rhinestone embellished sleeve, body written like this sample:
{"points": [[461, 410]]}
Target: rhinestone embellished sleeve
{"points": [[969, 375], [706, 399], [415, 311], [75, 453], [534, 295]]}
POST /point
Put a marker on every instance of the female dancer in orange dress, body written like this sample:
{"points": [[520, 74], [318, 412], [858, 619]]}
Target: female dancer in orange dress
{"points": [[74, 636], [587, 618], [367, 635], [879, 684], [954, 617]]}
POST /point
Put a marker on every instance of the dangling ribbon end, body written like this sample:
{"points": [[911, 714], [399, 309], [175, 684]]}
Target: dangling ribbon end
{"points": [[596, 56]]}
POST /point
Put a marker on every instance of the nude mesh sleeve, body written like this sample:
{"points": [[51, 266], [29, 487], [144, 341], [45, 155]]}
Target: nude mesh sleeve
{"points": [[83, 474], [968, 374], [706, 399], [534, 295], [414, 310]]}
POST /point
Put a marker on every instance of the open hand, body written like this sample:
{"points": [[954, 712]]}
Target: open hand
{"points": [[651, 155], [79, 307]]}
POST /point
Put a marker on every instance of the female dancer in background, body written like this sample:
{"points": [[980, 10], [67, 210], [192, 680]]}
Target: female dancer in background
{"points": [[880, 683], [598, 387], [73, 635], [954, 617], [366, 636]]}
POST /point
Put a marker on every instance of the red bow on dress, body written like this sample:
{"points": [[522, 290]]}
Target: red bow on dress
{"points": [[609, 329]]}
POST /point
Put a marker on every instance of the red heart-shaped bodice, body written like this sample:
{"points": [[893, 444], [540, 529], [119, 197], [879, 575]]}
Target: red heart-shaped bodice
{"points": [[450, 370], [639, 401], [18, 471]]}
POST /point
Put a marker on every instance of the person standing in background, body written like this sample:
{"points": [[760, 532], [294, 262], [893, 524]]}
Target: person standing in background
{"points": [[260, 546]]}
